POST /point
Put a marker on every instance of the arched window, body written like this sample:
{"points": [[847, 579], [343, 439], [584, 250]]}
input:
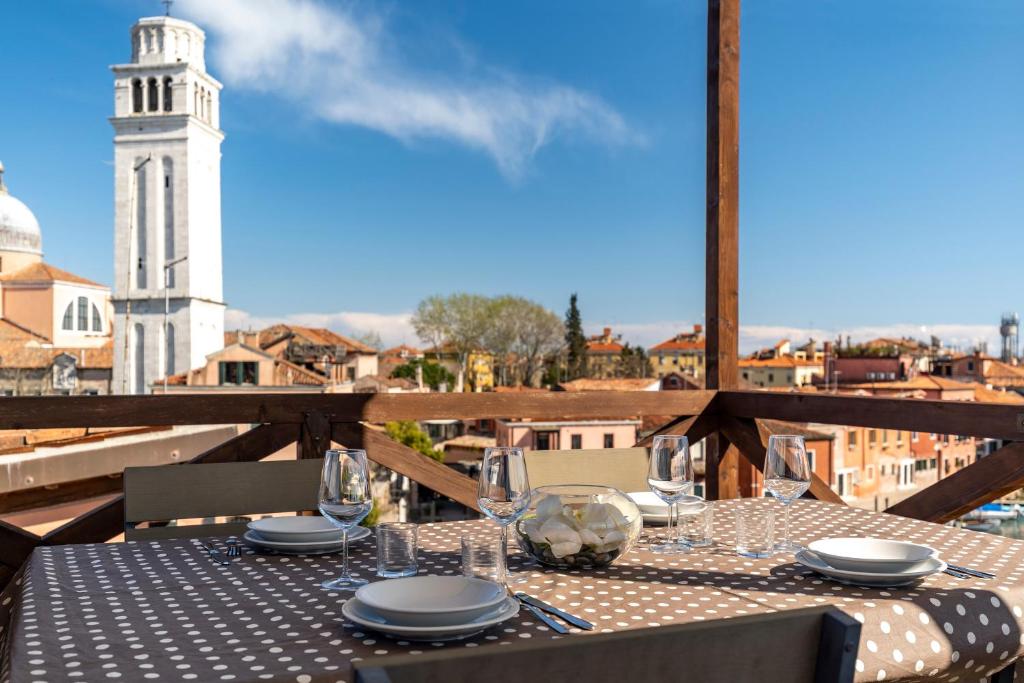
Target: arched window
{"points": [[170, 350], [153, 94], [140, 225], [83, 314], [69, 318], [168, 98], [195, 98], [136, 95], [139, 364], [97, 321], [169, 217]]}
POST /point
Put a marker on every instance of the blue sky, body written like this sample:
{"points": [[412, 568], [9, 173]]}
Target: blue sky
{"points": [[543, 148]]}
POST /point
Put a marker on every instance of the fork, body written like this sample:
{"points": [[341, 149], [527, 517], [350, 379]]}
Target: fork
{"points": [[977, 573], [234, 550]]}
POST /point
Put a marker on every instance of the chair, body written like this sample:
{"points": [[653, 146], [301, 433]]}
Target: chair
{"points": [[813, 645], [623, 468], [172, 492]]}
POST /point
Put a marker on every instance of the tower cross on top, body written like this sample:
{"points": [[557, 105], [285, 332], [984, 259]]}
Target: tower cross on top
{"points": [[167, 6]]}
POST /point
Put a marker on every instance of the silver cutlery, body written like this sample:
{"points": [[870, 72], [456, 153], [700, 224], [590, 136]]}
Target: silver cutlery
{"points": [[551, 609], [551, 623], [216, 555], [973, 572], [956, 574], [234, 550]]}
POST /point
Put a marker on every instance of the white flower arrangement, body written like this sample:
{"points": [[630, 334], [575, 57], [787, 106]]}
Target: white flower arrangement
{"points": [[587, 534]]}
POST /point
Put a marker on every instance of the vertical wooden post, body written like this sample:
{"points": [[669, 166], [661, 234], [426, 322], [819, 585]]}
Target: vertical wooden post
{"points": [[722, 269], [315, 435]]}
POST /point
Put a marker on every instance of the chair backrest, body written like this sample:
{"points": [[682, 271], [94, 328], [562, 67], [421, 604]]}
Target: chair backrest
{"points": [[623, 468], [170, 492], [813, 645]]}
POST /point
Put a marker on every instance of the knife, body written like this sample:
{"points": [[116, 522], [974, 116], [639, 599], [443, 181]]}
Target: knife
{"points": [[552, 624], [216, 555], [540, 604]]}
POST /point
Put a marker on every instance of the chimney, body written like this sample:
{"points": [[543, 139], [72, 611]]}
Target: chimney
{"points": [[827, 362], [419, 376], [697, 328], [607, 332]]}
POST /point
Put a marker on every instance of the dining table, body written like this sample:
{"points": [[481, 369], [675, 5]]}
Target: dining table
{"points": [[163, 610]]}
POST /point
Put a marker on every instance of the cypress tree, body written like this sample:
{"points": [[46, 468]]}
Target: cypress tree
{"points": [[575, 341]]}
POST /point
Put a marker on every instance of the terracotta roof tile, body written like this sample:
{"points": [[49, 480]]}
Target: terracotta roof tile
{"points": [[781, 362], [686, 341], [44, 272], [319, 336], [13, 332]]}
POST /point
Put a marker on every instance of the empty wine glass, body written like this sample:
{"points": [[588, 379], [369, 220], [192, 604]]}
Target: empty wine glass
{"points": [[504, 489], [345, 500], [787, 475], [670, 477]]}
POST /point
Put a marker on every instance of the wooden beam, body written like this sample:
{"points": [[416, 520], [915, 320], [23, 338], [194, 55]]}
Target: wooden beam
{"points": [[255, 444], [728, 479], [314, 436], [695, 428], [32, 412], [722, 262], [408, 462], [57, 494], [966, 418], [99, 525], [747, 435], [981, 482]]}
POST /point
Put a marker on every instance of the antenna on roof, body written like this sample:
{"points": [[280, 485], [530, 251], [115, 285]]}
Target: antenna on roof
{"points": [[167, 6]]}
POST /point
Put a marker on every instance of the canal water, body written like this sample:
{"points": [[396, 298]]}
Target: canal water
{"points": [[1011, 528]]}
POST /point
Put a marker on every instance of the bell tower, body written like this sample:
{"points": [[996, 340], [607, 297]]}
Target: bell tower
{"points": [[168, 291]]}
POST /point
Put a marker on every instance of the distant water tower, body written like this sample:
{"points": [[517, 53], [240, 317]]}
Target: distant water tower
{"points": [[1008, 329]]}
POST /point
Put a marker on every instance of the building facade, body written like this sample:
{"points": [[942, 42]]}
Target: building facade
{"points": [[783, 371], [683, 353], [166, 206], [604, 354]]}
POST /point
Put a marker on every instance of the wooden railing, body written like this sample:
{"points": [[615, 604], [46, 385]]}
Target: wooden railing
{"points": [[313, 422]]}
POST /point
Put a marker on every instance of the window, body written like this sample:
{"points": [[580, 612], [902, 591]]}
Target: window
{"points": [[97, 321], [168, 165], [881, 470], [873, 438], [845, 479], [239, 372], [542, 441], [140, 223], [69, 318], [745, 376], [933, 463], [771, 377], [920, 465], [698, 489], [810, 458], [169, 369], [871, 472], [913, 436], [970, 366], [577, 441], [153, 94], [139, 380], [83, 313], [905, 473], [609, 441], [350, 374], [851, 439], [167, 94], [136, 95]]}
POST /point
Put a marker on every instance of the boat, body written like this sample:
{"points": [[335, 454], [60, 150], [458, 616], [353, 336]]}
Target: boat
{"points": [[994, 511]]}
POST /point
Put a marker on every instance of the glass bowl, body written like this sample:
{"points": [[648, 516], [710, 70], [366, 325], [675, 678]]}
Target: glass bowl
{"points": [[578, 526]]}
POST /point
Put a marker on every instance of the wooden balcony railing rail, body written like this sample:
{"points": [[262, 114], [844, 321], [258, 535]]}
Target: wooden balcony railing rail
{"points": [[732, 418]]}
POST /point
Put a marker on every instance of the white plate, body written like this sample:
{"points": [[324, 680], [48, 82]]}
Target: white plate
{"points": [[649, 503], [360, 614], [431, 600], [872, 555], [252, 538], [296, 529], [887, 579]]}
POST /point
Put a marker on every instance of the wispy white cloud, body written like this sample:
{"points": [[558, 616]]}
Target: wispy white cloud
{"points": [[393, 329], [346, 68]]}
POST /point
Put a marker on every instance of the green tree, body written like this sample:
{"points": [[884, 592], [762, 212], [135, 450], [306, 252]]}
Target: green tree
{"points": [[433, 373], [371, 339], [634, 362], [460, 320], [575, 341], [521, 336], [409, 434]]}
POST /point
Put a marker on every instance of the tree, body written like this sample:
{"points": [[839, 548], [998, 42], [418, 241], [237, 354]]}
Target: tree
{"points": [[458, 320], [433, 374], [634, 362], [371, 339], [522, 334], [575, 341], [409, 434]]}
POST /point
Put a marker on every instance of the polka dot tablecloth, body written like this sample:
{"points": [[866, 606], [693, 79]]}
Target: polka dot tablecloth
{"points": [[163, 611]]}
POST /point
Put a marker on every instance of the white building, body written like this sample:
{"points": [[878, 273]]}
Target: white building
{"points": [[166, 206]]}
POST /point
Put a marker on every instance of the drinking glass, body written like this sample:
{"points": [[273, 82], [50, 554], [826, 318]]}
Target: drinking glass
{"points": [[670, 477], [755, 528], [787, 475], [345, 500], [483, 557], [396, 549], [504, 489], [696, 522]]}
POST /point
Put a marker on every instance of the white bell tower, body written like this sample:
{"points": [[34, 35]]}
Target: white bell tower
{"points": [[166, 206]]}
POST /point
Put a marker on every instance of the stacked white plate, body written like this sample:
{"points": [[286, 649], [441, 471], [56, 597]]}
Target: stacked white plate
{"points": [[299, 535], [430, 608], [871, 561], [654, 510]]}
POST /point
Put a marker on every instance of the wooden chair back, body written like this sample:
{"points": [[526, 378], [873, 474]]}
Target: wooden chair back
{"points": [[172, 492], [623, 468], [813, 645]]}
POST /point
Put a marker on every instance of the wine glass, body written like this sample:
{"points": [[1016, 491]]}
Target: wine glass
{"points": [[670, 477], [504, 489], [345, 500], [787, 475]]}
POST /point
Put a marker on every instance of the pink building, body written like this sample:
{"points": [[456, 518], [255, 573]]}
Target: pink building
{"points": [[555, 436]]}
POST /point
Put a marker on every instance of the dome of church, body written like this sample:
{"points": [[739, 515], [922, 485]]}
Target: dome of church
{"points": [[19, 229]]}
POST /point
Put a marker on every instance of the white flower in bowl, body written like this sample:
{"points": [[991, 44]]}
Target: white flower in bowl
{"points": [[563, 538]]}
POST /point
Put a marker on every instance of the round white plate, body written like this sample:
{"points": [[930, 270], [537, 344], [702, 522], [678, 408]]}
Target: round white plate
{"points": [[360, 614], [875, 579], [649, 503], [255, 539], [431, 600], [872, 555], [296, 529]]}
